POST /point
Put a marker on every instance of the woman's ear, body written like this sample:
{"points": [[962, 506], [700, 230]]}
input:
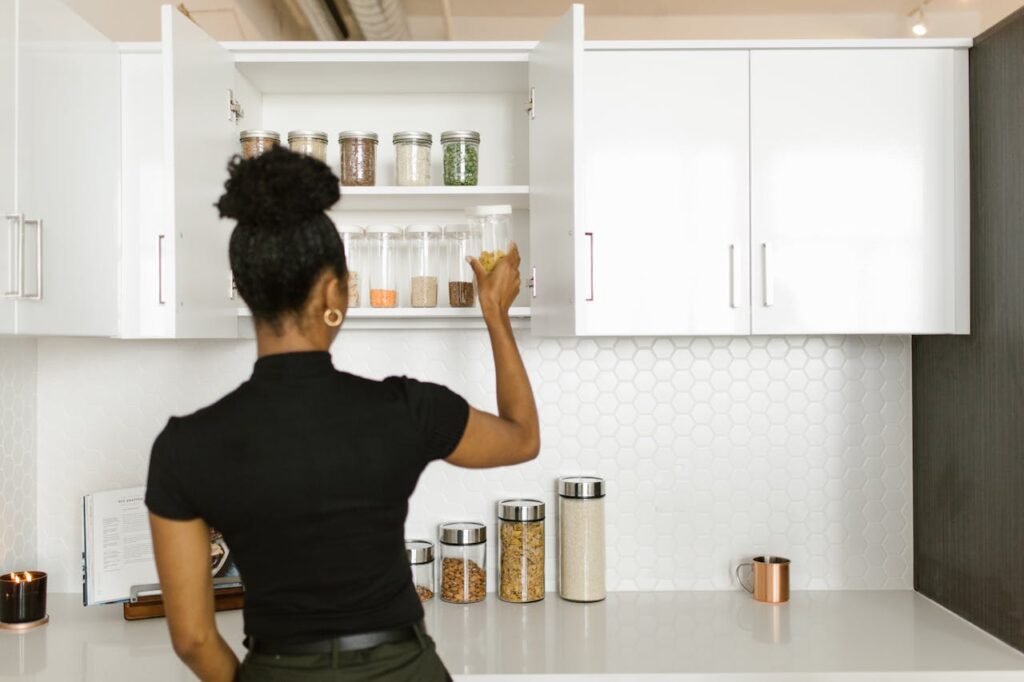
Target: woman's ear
{"points": [[336, 292]]}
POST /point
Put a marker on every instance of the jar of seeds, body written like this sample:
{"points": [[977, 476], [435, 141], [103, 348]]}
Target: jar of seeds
{"points": [[358, 157], [421, 560], [309, 142], [424, 248], [353, 238], [463, 562], [462, 241], [412, 158], [521, 550], [256, 142], [461, 156]]}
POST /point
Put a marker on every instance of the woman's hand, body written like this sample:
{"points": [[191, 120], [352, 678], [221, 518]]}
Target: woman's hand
{"points": [[498, 289]]}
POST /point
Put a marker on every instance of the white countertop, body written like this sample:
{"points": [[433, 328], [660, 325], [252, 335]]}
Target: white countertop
{"points": [[720, 636]]}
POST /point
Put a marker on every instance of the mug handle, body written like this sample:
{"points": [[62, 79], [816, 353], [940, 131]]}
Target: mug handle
{"points": [[740, 580]]}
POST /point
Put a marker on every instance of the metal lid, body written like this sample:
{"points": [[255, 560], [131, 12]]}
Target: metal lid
{"points": [[460, 136], [419, 551], [356, 134], [422, 229], [251, 134], [413, 136], [351, 229], [581, 486], [521, 510], [462, 533], [480, 211], [315, 134], [383, 229]]}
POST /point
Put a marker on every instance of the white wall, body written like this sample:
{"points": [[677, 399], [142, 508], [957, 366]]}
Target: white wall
{"points": [[17, 454]]}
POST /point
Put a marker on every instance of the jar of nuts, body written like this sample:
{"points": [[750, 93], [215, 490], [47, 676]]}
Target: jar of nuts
{"points": [[421, 560], [463, 562], [521, 550]]}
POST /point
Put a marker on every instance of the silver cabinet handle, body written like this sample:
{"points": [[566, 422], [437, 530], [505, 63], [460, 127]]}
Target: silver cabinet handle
{"points": [[769, 281], [160, 270], [38, 296], [533, 280], [15, 236], [590, 236], [734, 277]]}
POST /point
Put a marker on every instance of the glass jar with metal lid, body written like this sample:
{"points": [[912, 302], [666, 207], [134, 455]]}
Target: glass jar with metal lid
{"points": [[581, 548], [421, 561], [521, 550], [412, 158], [463, 562], [309, 142], [461, 156], [256, 142], [358, 158]]}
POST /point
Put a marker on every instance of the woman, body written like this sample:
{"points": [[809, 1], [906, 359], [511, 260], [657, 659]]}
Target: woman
{"points": [[306, 470]]}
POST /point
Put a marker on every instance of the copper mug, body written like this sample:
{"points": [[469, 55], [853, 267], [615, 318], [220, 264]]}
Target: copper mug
{"points": [[770, 579]]}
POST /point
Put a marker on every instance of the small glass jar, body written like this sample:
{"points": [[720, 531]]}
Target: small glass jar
{"points": [[494, 225], [581, 548], [424, 247], [521, 550], [384, 249], [412, 158], [463, 562], [461, 157], [421, 561], [309, 142], [461, 242], [358, 158], [353, 238], [256, 142]]}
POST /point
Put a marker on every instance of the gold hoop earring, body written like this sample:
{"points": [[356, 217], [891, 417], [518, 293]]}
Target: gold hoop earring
{"points": [[333, 317]]}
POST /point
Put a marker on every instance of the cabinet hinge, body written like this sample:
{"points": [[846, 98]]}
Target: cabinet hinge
{"points": [[234, 107], [531, 104]]}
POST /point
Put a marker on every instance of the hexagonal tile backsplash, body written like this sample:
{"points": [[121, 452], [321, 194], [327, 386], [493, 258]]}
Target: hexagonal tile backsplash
{"points": [[17, 454], [714, 448]]}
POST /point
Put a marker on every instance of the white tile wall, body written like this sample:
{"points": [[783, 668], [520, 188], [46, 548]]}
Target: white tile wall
{"points": [[17, 454], [714, 448]]}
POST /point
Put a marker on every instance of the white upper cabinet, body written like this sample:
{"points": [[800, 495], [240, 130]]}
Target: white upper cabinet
{"points": [[10, 227], [859, 191]]}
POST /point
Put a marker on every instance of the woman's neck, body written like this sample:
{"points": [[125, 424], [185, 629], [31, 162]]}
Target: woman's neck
{"points": [[289, 340]]}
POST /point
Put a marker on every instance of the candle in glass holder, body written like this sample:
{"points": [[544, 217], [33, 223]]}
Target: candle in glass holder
{"points": [[22, 597]]}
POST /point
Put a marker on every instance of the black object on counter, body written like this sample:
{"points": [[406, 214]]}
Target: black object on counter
{"points": [[22, 597]]}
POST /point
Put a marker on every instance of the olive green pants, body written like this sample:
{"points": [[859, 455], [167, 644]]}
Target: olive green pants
{"points": [[415, 660]]}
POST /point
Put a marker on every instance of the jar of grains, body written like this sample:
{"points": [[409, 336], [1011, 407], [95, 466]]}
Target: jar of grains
{"points": [[462, 241], [421, 560], [256, 142], [521, 550], [309, 142], [412, 158], [581, 538], [383, 249], [463, 562], [358, 158], [494, 225], [424, 247], [353, 238], [461, 156]]}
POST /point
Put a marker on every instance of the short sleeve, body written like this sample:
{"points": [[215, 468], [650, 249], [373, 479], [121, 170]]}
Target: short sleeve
{"points": [[165, 494], [440, 415]]}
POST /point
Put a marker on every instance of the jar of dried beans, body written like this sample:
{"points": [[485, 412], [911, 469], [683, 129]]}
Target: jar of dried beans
{"points": [[353, 238], [256, 142], [424, 247], [384, 248], [521, 550], [358, 157], [461, 150], [494, 224], [581, 538], [412, 158], [463, 562], [421, 560], [309, 142], [462, 241]]}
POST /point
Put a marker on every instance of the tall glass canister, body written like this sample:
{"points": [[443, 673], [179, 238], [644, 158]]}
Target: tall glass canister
{"points": [[521, 550], [494, 224], [424, 247], [353, 238], [581, 548], [421, 560], [463, 562], [384, 246], [462, 242]]}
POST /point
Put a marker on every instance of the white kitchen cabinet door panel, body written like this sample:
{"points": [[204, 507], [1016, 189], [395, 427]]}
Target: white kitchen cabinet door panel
{"points": [[8, 163], [69, 166], [199, 139], [555, 177], [854, 218], [666, 171]]}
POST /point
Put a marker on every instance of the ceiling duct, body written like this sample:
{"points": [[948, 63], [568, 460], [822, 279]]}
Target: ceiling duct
{"points": [[322, 16], [380, 19]]}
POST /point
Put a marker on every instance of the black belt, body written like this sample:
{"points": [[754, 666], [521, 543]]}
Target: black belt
{"points": [[356, 642]]}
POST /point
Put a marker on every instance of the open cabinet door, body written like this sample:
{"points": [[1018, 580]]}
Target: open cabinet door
{"points": [[8, 133], [554, 195], [199, 138]]}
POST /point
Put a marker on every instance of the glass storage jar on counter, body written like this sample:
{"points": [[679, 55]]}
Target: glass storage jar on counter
{"points": [[494, 225], [521, 550], [462, 241], [358, 157], [424, 247], [421, 561], [309, 142], [384, 249], [353, 238], [463, 562], [256, 142], [461, 150], [412, 158], [581, 546]]}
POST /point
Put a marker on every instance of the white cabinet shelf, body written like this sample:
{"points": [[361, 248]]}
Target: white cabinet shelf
{"points": [[431, 198], [409, 318]]}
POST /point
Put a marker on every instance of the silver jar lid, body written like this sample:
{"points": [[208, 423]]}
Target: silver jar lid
{"points": [[419, 551], [521, 510], [463, 533], [356, 135], [254, 134], [313, 134], [581, 486], [460, 136], [414, 137]]}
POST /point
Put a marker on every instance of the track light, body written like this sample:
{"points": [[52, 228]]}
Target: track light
{"points": [[918, 26]]}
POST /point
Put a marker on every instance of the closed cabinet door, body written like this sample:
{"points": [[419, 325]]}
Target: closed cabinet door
{"points": [[10, 227], [858, 190], [665, 236]]}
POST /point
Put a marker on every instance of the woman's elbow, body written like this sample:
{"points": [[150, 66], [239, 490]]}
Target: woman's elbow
{"points": [[530, 448], [188, 643]]}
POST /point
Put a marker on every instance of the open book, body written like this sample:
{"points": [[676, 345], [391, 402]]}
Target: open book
{"points": [[118, 549]]}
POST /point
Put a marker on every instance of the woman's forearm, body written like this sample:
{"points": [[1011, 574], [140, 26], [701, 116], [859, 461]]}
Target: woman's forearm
{"points": [[515, 396], [212, 661]]}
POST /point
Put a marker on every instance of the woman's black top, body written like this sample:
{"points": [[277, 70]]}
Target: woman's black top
{"points": [[307, 472]]}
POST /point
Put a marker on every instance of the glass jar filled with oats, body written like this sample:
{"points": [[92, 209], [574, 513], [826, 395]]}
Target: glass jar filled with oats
{"points": [[581, 547], [463, 562], [309, 142], [521, 550]]}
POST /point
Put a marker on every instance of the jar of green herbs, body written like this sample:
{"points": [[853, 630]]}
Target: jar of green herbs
{"points": [[461, 156]]}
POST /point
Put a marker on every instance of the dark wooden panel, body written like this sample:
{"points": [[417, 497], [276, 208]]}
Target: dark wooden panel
{"points": [[969, 391]]}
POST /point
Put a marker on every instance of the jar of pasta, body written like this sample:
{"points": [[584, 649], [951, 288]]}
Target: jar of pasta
{"points": [[521, 550], [353, 238], [358, 157], [309, 142], [384, 246], [494, 225], [256, 142], [412, 158], [463, 562]]}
